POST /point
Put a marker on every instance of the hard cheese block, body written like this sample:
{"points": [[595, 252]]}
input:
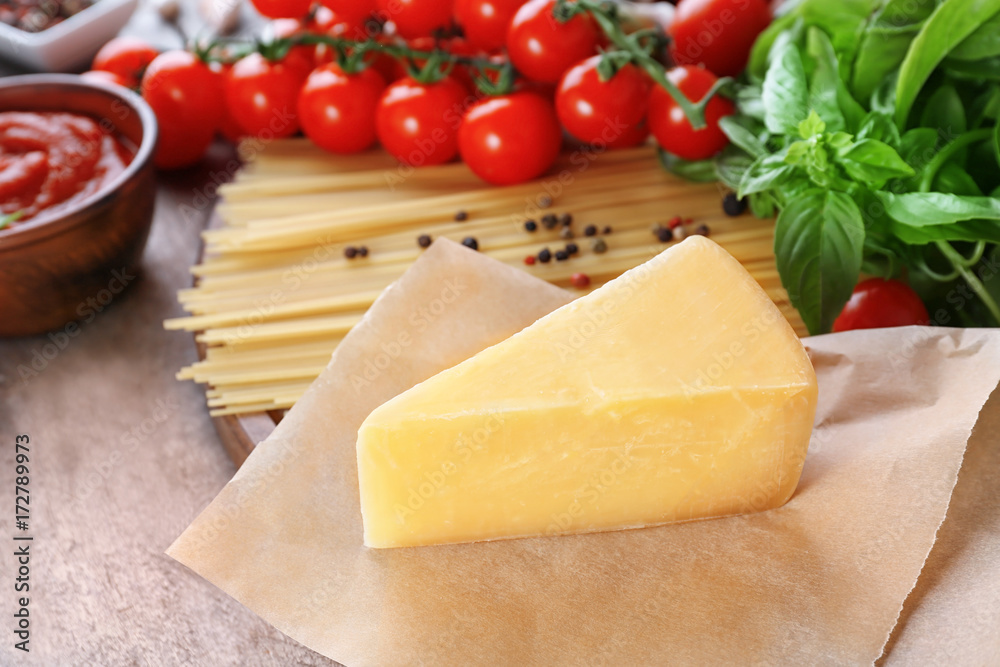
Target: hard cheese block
{"points": [[676, 392]]}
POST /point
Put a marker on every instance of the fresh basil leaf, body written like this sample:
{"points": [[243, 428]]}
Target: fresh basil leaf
{"points": [[873, 163], [984, 42], [819, 243], [811, 126], [766, 173], [884, 97], [879, 126], [762, 46], [948, 26], [975, 71], [828, 93], [763, 205], [945, 111], [970, 230], [996, 141], [702, 171], [904, 13], [785, 93], [953, 179], [730, 165], [923, 209], [742, 136], [750, 103], [918, 146]]}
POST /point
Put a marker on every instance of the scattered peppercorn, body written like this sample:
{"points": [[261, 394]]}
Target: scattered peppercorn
{"points": [[689, 221], [701, 230], [733, 205], [664, 235], [350, 252], [470, 242], [566, 233], [599, 246], [675, 222], [362, 251], [545, 256], [461, 216], [549, 221], [590, 230], [679, 233], [530, 225], [572, 248], [544, 201], [607, 229], [561, 255], [580, 280], [424, 240], [529, 260], [566, 219]]}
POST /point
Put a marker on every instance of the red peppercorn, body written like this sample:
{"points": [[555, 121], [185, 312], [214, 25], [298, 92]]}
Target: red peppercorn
{"points": [[674, 222], [580, 280], [529, 260]]}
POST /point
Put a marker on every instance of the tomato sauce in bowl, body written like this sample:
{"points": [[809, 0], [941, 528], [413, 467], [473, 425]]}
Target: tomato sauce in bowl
{"points": [[51, 160]]}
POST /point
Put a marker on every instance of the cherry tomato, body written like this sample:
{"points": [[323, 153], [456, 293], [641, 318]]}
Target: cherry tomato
{"points": [[717, 33], [878, 303], [510, 138], [282, 9], [128, 57], [352, 12], [612, 112], [416, 18], [542, 48], [302, 56], [671, 127], [262, 95], [105, 77], [184, 93], [418, 122], [337, 110], [485, 22]]}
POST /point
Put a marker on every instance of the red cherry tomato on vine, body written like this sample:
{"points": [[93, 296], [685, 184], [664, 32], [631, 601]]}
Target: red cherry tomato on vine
{"points": [[302, 56], [337, 110], [542, 48], [416, 18], [717, 33], [418, 122], [485, 22], [282, 9], [510, 138], [184, 93], [670, 126], [352, 12], [878, 303], [262, 95], [127, 57], [610, 113]]}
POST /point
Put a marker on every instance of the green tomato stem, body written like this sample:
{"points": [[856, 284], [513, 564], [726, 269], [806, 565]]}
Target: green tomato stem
{"points": [[694, 112]]}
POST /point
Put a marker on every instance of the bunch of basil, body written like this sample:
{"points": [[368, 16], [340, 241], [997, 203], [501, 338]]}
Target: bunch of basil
{"points": [[870, 128]]}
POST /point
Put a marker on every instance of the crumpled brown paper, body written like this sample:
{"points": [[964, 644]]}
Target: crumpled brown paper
{"points": [[821, 580]]}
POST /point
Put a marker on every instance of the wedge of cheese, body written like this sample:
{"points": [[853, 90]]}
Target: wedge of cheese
{"points": [[676, 392]]}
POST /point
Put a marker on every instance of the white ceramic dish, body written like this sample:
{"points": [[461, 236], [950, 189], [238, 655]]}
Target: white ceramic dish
{"points": [[68, 45]]}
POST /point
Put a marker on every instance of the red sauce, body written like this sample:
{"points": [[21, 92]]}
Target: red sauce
{"points": [[51, 160]]}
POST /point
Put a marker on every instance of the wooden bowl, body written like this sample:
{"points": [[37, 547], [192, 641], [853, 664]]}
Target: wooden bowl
{"points": [[64, 266]]}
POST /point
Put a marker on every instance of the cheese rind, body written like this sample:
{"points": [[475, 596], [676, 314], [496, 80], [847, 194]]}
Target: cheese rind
{"points": [[675, 392]]}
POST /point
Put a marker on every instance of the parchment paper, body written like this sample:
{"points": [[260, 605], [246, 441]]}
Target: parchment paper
{"points": [[821, 580]]}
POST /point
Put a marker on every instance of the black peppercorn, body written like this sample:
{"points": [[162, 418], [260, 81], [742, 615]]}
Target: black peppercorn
{"points": [[350, 252], [424, 240], [590, 230], [530, 225], [549, 221], [461, 216], [470, 242], [362, 251], [733, 205], [545, 255], [561, 255], [572, 248]]}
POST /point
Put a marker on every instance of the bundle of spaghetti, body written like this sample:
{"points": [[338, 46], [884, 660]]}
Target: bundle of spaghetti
{"points": [[275, 293]]}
